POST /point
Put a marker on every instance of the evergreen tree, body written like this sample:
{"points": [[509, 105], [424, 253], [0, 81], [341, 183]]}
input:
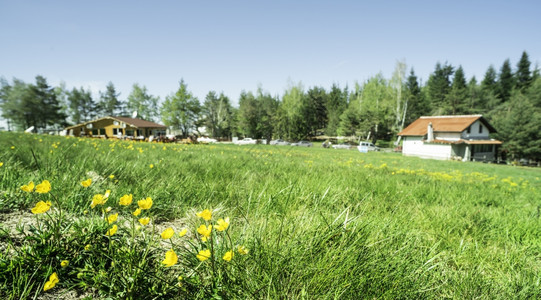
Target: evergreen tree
{"points": [[179, 111], [523, 75], [457, 96], [268, 106], [49, 111], [473, 98], [248, 115], [143, 103], [416, 106], [317, 98], [439, 86], [217, 115], [109, 103], [337, 100], [506, 82]]}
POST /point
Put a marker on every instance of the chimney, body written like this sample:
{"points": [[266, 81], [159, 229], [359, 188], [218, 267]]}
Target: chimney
{"points": [[430, 133]]}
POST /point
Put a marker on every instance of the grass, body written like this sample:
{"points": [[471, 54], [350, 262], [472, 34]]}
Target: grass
{"points": [[318, 223]]}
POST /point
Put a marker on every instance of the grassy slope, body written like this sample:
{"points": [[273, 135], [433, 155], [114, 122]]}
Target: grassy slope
{"points": [[318, 222]]}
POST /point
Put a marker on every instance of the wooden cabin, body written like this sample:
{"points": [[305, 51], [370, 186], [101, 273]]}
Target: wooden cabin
{"points": [[117, 127]]}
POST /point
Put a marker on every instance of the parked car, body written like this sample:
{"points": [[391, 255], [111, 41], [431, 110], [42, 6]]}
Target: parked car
{"points": [[205, 139], [366, 146], [347, 145], [302, 144], [279, 142], [246, 141]]}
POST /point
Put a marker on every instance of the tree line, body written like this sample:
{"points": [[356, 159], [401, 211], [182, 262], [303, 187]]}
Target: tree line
{"points": [[510, 98]]}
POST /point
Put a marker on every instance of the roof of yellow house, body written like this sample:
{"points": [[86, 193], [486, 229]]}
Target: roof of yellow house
{"points": [[443, 124], [133, 122]]}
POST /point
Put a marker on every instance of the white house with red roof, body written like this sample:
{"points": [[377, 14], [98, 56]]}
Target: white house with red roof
{"points": [[450, 137]]}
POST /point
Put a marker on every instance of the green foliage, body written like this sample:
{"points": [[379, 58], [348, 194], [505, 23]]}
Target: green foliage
{"points": [[109, 104], [218, 115], [439, 87], [140, 101], [181, 110], [506, 82], [523, 75], [82, 107]]}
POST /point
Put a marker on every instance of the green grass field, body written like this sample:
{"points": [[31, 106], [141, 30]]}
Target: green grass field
{"points": [[316, 223]]}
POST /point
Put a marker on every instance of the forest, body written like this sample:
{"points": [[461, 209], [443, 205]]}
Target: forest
{"points": [[509, 97]]}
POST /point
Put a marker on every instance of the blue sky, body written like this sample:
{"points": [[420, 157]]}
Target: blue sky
{"points": [[230, 46]]}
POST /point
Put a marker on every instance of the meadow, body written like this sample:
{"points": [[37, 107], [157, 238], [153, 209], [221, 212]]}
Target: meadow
{"points": [[87, 218]]}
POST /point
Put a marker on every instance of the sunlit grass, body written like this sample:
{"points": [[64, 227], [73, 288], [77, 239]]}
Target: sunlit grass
{"points": [[317, 223]]}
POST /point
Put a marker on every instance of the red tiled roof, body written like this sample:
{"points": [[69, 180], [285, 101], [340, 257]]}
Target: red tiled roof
{"points": [[443, 124]]}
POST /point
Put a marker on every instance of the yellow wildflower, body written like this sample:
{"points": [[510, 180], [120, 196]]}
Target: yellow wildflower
{"points": [[28, 187], [203, 255], [112, 218], [111, 176], [228, 255], [112, 231], [168, 233], [171, 258], [98, 199], [222, 224], [206, 214], [87, 247], [64, 263], [136, 212], [1, 163], [145, 204], [12, 147], [53, 280], [107, 193], [151, 166], [126, 200], [242, 250], [86, 183], [41, 207], [44, 187], [108, 209], [144, 221], [204, 230], [183, 232]]}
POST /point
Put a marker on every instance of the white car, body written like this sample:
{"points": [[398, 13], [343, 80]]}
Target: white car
{"points": [[366, 146], [206, 140], [279, 142], [246, 141]]}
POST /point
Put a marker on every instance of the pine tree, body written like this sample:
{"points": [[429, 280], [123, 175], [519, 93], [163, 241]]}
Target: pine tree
{"points": [[416, 106], [523, 75], [457, 96], [439, 86], [109, 103], [506, 81]]}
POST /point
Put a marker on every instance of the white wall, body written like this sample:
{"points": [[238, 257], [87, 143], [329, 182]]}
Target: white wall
{"points": [[474, 132], [448, 136], [414, 146]]}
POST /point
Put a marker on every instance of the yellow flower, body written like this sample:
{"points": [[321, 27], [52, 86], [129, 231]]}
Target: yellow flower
{"points": [[64, 263], [145, 204], [53, 280], [41, 207], [205, 230], [170, 258], [12, 147], [222, 224], [1, 163], [98, 199], [206, 215], [168, 233], [111, 176], [204, 239], [28, 187], [183, 232], [44, 187], [107, 192], [112, 218], [151, 166], [242, 250], [86, 183], [112, 231], [136, 212], [108, 209], [87, 247], [228, 255], [126, 200], [203, 255], [144, 221]]}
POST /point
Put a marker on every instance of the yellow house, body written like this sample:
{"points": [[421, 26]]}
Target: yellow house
{"points": [[117, 127]]}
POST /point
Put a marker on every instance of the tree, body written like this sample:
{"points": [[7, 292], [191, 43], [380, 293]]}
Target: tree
{"points": [[109, 104], [50, 112], [317, 98], [473, 98], [457, 95], [417, 107], [181, 110], [82, 107], [505, 82], [217, 114], [143, 103], [439, 86], [396, 84], [337, 100], [523, 75], [489, 90], [268, 106], [247, 115]]}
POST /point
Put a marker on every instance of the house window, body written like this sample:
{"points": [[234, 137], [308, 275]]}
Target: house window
{"points": [[115, 131], [480, 128], [102, 131], [468, 131], [94, 132]]}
